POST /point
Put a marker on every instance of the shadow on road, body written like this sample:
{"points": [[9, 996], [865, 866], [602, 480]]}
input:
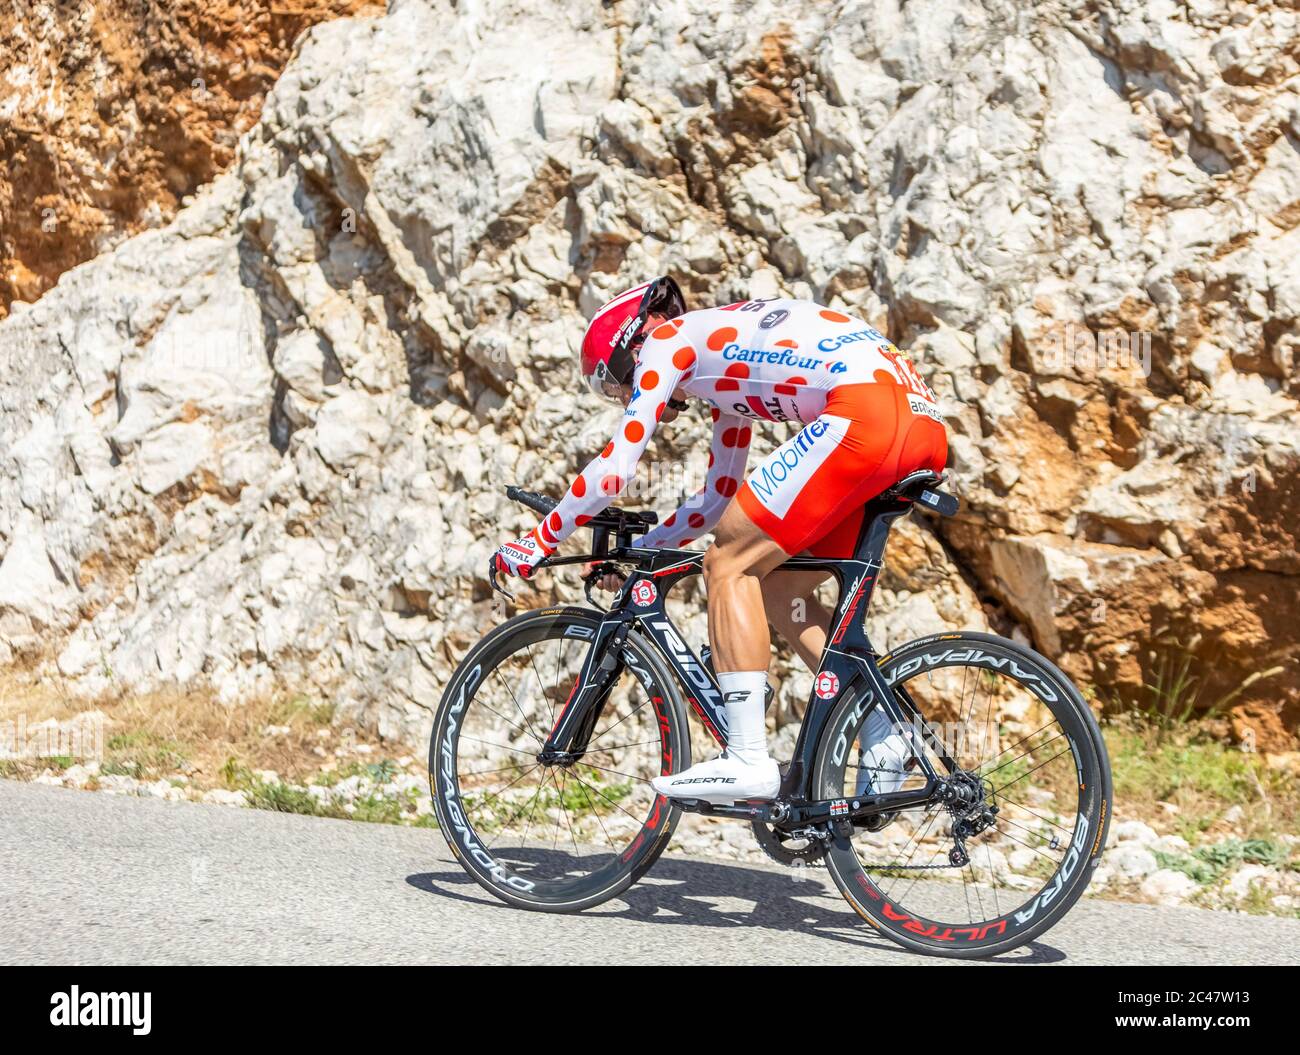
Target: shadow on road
{"points": [[704, 894]]}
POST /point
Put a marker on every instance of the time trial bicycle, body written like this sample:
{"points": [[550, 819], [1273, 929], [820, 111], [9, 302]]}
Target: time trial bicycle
{"points": [[551, 727]]}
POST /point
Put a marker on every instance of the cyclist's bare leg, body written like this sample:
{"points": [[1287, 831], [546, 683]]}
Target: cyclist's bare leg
{"points": [[734, 568], [794, 612]]}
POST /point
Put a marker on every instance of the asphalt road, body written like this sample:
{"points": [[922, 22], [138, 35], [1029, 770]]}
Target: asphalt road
{"points": [[91, 878]]}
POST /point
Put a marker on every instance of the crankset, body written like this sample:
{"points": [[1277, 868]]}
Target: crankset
{"points": [[802, 846]]}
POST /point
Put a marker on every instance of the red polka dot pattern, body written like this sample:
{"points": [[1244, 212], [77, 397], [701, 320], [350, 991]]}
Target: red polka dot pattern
{"points": [[634, 431], [664, 332], [696, 520], [726, 486], [833, 316], [579, 487], [719, 339], [735, 370], [609, 449], [611, 485], [684, 358], [650, 380]]}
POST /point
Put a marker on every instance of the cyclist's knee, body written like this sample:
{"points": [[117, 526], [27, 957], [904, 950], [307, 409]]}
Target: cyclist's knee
{"points": [[725, 562], [716, 566], [740, 549]]}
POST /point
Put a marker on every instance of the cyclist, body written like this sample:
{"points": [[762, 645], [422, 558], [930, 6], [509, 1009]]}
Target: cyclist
{"points": [[868, 420]]}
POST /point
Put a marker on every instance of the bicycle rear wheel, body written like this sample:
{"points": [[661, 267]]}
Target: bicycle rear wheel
{"points": [[541, 836], [1032, 767]]}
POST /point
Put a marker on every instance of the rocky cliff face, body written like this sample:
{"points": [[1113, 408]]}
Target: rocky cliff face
{"points": [[268, 440], [112, 113]]}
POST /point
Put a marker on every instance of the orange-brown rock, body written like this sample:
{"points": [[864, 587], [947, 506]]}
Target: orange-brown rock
{"points": [[111, 113]]}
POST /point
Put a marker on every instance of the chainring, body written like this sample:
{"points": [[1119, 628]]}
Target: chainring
{"points": [[786, 850]]}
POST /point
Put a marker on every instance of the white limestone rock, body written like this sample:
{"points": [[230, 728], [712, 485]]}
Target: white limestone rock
{"points": [[269, 440]]}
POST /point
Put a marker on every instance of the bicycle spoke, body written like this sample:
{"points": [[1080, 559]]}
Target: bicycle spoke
{"points": [[596, 813], [497, 794], [1045, 820], [916, 838], [979, 898], [559, 791], [519, 812], [503, 747], [616, 747], [1023, 740], [604, 769], [603, 796], [573, 836], [541, 685], [510, 727], [993, 879], [1040, 765], [518, 707], [1021, 842], [484, 772], [533, 802], [616, 724], [917, 875]]}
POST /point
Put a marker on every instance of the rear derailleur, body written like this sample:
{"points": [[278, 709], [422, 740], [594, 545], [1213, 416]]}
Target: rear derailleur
{"points": [[966, 798]]}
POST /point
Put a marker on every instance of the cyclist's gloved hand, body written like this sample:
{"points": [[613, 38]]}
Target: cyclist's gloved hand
{"points": [[522, 556], [605, 582]]}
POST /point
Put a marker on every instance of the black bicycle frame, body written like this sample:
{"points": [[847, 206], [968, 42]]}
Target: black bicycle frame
{"points": [[848, 664]]}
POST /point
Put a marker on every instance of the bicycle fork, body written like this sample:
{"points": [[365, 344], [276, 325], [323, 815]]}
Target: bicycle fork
{"points": [[606, 658]]}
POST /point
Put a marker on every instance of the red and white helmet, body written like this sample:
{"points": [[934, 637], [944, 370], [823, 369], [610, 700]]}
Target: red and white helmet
{"points": [[614, 333]]}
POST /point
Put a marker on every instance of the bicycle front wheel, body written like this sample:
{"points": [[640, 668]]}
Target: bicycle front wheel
{"points": [[1014, 848], [542, 836]]}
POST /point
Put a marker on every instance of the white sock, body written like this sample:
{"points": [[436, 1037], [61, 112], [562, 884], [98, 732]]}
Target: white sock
{"points": [[742, 692]]}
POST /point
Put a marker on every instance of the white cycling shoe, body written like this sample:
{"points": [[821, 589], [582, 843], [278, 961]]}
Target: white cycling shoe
{"points": [[725, 779]]}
